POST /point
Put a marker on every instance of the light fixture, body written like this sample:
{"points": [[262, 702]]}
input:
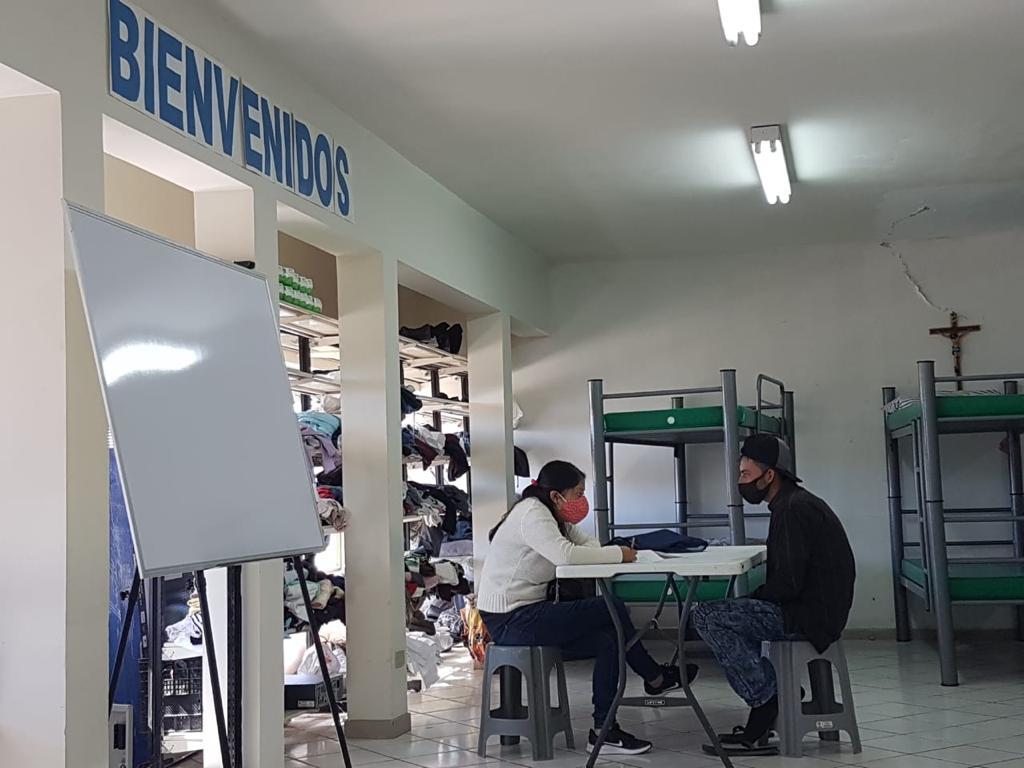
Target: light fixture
{"points": [[740, 17], [770, 159]]}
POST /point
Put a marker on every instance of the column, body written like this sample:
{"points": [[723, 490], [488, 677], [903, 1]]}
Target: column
{"points": [[238, 225], [490, 419], [371, 444], [53, 457]]}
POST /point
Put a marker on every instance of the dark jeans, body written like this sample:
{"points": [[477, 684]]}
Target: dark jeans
{"points": [[583, 629], [733, 630]]}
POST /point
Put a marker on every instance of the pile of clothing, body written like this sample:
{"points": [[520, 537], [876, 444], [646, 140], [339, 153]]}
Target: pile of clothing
{"points": [[447, 338], [423, 656], [321, 433], [445, 614], [446, 516], [426, 444], [326, 593], [426, 580]]}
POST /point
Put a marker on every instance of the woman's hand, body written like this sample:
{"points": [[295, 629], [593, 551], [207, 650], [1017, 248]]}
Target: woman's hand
{"points": [[628, 554]]}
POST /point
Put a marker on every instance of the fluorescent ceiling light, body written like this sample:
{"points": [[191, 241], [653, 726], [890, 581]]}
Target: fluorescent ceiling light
{"points": [[740, 17], [770, 159]]}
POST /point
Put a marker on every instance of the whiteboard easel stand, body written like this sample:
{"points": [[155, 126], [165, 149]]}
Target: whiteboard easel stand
{"points": [[134, 288]]}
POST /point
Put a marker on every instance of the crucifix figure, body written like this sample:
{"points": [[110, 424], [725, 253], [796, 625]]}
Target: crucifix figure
{"points": [[955, 332]]}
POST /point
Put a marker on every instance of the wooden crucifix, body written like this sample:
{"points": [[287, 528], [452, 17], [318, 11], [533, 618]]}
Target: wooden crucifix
{"points": [[955, 333]]}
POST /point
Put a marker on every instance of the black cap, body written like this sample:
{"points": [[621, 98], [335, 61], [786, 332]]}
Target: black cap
{"points": [[771, 451]]}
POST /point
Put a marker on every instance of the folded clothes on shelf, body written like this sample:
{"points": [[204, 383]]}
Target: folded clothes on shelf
{"points": [[332, 514], [447, 338], [326, 424]]}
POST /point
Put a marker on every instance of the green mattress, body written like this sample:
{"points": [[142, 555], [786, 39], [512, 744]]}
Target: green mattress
{"points": [[976, 581], [961, 407], [685, 418], [648, 590]]}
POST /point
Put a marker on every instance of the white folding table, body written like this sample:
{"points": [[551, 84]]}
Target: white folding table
{"points": [[729, 562]]}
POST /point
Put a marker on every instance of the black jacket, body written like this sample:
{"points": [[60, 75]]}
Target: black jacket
{"points": [[810, 566]]}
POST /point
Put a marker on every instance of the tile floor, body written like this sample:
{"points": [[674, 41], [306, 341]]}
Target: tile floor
{"points": [[907, 719]]}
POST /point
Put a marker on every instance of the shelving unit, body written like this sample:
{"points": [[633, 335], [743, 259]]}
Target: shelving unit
{"points": [[311, 342]]}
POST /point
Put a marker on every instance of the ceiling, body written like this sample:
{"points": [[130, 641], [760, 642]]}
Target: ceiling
{"points": [[594, 129]]}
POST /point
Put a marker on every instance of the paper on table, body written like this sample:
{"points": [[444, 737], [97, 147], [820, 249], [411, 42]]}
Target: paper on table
{"points": [[650, 556]]}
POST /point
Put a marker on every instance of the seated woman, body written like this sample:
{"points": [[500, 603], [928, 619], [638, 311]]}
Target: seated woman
{"points": [[536, 535]]}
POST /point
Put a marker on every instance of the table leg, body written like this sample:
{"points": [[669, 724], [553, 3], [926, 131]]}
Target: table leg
{"points": [[605, 586], [684, 618]]}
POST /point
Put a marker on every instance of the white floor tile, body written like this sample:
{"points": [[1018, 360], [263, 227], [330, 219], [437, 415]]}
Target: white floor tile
{"points": [[335, 761], [968, 754], [909, 761], [405, 750], [908, 720], [313, 749]]}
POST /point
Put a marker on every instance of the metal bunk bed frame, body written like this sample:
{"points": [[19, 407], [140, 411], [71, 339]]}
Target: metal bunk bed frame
{"points": [[932, 516], [729, 434]]}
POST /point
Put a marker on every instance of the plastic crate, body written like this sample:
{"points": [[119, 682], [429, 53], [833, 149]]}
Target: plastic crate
{"points": [[183, 678], [183, 723]]}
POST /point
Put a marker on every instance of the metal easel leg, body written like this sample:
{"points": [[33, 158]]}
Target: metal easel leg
{"points": [[122, 643], [211, 660], [155, 643], [235, 659], [318, 644]]}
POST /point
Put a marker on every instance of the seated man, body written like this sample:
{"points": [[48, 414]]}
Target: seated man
{"points": [[807, 593]]}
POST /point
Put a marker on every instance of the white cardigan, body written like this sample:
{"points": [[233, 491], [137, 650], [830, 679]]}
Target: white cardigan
{"points": [[522, 557]]}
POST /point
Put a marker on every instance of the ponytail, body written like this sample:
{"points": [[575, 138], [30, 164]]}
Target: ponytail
{"points": [[556, 476]]}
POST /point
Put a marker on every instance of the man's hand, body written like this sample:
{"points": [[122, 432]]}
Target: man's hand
{"points": [[628, 554]]}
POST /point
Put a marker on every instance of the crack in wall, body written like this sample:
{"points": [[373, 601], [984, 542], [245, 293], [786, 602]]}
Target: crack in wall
{"points": [[914, 282]]}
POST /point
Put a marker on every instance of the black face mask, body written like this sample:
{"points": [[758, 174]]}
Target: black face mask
{"points": [[751, 493]]}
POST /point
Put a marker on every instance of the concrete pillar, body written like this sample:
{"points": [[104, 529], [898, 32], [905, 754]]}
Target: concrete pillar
{"points": [[236, 225], [371, 443], [490, 416], [53, 457]]}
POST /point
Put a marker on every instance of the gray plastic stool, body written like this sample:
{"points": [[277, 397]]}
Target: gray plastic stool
{"points": [[538, 721], [822, 713]]}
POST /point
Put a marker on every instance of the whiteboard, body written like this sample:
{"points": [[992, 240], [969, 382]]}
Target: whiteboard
{"points": [[211, 461]]}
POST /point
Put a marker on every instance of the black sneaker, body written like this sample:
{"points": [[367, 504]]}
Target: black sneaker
{"points": [[670, 679], [619, 742]]}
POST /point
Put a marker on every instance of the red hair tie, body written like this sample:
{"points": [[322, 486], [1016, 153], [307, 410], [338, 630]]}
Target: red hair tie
{"points": [[534, 482]]}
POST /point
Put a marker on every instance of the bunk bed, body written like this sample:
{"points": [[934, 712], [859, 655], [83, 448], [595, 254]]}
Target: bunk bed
{"points": [[681, 425], [930, 573]]}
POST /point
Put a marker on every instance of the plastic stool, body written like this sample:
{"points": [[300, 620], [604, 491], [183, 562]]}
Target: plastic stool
{"points": [[822, 713], [538, 721]]}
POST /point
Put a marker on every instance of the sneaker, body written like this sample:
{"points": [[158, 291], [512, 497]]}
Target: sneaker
{"points": [[670, 679], [619, 742]]}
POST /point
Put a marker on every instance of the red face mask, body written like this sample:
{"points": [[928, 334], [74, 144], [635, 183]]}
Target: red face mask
{"points": [[574, 510]]}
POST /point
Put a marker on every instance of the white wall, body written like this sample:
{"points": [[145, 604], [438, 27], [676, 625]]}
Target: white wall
{"points": [[149, 202], [836, 323]]}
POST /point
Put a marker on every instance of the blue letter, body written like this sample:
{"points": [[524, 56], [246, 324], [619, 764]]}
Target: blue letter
{"points": [[168, 46], [271, 140], [250, 128], [227, 119], [148, 80], [303, 159], [341, 172], [289, 179], [199, 96], [324, 167], [122, 51]]}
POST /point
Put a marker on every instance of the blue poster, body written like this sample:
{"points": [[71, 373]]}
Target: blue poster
{"points": [[122, 569]]}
